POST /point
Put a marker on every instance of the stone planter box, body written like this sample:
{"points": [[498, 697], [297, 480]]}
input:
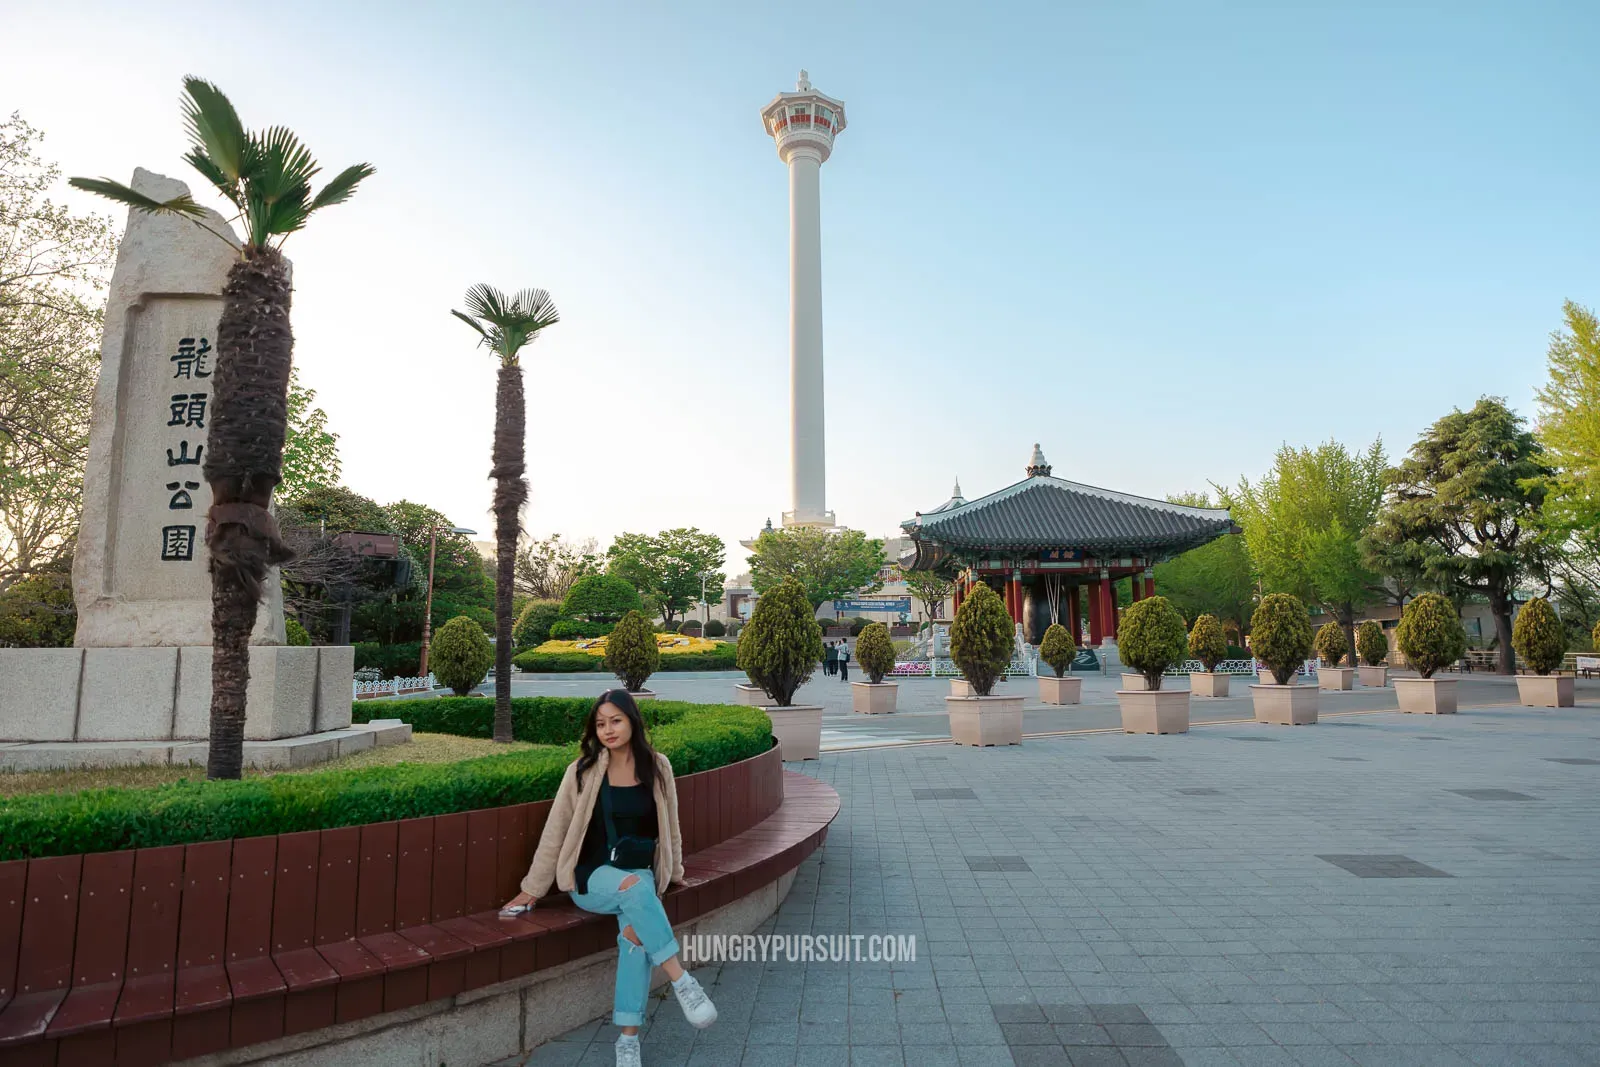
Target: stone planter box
{"points": [[873, 699], [1132, 683], [960, 687], [982, 721], [1336, 678], [1207, 684], [1154, 711], [1426, 696], [1377, 677], [1064, 690], [749, 695], [798, 730], [1546, 690], [642, 694], [1285, 705]]}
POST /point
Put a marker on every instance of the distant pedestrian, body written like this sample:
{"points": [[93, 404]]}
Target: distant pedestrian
{"points": [[844, 661], [830, 658]]}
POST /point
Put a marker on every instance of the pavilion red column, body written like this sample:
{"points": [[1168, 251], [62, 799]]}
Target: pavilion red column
{"points": [[1074, 614], [1149, 584], [1014, 583], [1138, 588], [1108, 607], [1096, 632], [959, 594]]}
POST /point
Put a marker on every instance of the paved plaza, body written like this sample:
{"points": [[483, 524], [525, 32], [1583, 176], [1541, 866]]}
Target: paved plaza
{"points": [[1377, 889]]}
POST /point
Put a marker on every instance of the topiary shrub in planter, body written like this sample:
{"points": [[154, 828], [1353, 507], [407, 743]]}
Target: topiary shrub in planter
{"points": [[1430, 636], [601, 598], [716, 628], [981, 644], [1541, 641], [1280, 632], [631, 652], [460, 655], [294, 633], [1332, 648], [779, 650], [1372, 648], [1209, 645], [982, 639], [1151, 638], [577, 629], [875, 654], [1058, 651]]}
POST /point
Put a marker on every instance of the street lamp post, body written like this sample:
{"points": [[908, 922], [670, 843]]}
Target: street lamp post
{"points": [[427, 610], [705, 609]]}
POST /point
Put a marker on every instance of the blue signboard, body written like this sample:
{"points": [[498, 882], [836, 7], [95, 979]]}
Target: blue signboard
{"points": [[1061, 555], [900, 605]]}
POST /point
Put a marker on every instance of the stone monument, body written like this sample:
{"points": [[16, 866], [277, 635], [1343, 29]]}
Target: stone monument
{"points": [[141, 668]]}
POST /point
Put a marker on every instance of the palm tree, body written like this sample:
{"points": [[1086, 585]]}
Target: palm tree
{"points": [[505, 326], [267, 176]]}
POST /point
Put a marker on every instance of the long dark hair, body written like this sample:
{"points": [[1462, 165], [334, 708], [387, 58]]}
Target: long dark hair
{"points": [[644, 757]]}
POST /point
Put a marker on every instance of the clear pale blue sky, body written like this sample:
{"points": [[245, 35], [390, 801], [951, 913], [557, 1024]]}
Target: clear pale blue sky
{"points": [[1160, 239]]}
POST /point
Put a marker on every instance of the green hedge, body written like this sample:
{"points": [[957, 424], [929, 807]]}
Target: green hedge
{"points": [[541, 720], [723, 658], [701, 738]]}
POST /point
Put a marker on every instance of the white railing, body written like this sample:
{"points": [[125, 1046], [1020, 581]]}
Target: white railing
{"points": [[393, 687]]}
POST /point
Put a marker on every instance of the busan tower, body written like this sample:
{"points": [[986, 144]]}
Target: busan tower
{"points": [[803, 124]]}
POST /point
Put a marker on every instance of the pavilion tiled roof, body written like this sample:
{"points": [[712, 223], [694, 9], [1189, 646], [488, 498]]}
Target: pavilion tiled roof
{"points": [[1047, 512]]}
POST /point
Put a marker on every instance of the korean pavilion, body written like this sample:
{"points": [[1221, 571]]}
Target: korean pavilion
{"points": [[1047, 541]]}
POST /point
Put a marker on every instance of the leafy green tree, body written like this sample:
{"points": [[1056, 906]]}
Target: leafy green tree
{"points": [[782, 644], [1057, 648], [1280, 634], [1214, 579], [1207, 642], [1539, 637], [930, 587], [505, 326], [828, 565], [1569, 419], [1461, 513], [461, 655], [462, 584], [666, 568], [1151, 638], [875, 652], [53, 268], [631, 651], [38, 611], [1331, 644], [1304, 523], [533, 625], [266, 175], [982, 639], [310, 451], [1371, 646], [601, 598], [1430, 634]]}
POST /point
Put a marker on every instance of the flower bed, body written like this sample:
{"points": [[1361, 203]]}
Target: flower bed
{"points": [[669, 644], [720, 656], [911, 669]]}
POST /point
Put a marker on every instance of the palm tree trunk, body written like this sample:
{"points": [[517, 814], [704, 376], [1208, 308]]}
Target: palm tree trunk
{"points": [[510, 493], [249, 414]]}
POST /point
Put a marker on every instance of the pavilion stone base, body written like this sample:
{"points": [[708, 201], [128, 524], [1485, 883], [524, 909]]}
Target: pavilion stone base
{"points": [[283, 754], [164, 694]]}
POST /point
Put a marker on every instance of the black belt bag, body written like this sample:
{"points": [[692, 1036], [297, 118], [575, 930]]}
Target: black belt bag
{"points": [[625, 853]]}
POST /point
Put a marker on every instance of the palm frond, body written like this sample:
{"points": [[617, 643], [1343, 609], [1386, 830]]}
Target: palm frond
{"points": [[214, 127], [508, 325], [487, 303], [470, 321], [122, 194], [203, 163], [342, 187], [280, 165], [536, 308]]}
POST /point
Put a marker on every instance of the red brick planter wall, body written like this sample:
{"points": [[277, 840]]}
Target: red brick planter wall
{"points": [[188, 949]]}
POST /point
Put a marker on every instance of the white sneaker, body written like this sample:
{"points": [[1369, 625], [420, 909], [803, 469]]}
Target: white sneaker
{"points": [[697, 1007], [628, 1051]]}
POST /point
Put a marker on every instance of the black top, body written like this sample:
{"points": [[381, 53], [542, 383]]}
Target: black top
{"points": [[633, 810]]}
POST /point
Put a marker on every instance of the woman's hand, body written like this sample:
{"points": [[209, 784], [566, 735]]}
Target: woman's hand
{"points": [[522, 902]]}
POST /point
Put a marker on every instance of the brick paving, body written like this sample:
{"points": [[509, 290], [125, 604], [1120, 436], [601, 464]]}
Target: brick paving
{"points": [[1342, 896]]}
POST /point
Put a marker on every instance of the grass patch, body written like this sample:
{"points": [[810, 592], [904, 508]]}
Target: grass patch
{"points": [[424, 748]]}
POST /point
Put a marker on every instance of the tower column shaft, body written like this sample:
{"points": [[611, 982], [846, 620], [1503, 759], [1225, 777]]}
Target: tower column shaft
{"points": [[808, 470]]}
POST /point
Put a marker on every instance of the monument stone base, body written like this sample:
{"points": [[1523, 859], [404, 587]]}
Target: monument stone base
{"points": [[283, 754], [164, 694]]}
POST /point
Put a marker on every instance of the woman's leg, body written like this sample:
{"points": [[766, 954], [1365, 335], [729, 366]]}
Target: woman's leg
{"points": [[633, 894], [632, 990]]}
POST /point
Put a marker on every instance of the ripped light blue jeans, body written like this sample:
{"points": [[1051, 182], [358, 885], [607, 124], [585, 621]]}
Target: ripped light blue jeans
{"points": [[639, 907]]}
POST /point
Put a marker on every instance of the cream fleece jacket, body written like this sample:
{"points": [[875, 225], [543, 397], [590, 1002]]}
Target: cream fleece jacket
{"points": [[556, 858]]}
